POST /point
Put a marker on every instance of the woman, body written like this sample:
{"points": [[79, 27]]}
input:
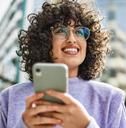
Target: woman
{"points": [[69, 33]]}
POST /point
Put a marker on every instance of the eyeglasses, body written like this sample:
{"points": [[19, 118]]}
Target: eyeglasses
{"points": [[63, 32]]}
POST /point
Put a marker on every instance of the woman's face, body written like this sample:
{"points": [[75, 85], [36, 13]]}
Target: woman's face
{"points": [[69, 47]]}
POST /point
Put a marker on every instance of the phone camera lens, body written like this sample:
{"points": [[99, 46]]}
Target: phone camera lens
{"points": [[38, 70]]}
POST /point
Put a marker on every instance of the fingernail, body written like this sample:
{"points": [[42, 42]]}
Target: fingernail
{"points": [[34, 105]]}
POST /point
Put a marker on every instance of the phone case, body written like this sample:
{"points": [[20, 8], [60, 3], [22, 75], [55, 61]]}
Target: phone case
{"points": [[50, 76]]}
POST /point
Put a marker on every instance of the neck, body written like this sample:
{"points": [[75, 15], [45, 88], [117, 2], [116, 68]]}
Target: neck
{"points": [[73, 72]]}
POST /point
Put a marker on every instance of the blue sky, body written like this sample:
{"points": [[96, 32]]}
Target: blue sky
{"points": [[120, 10]]}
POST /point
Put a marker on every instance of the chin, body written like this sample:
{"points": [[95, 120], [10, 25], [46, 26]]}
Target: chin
{"points": [[73, 65], [70, 62]]}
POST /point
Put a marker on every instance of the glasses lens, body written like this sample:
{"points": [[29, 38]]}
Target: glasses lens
{"points": [[61, 31], [83, 32]]}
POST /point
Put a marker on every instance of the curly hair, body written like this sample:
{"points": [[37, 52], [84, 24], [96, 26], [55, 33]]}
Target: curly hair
{"points": [[35, 43]]}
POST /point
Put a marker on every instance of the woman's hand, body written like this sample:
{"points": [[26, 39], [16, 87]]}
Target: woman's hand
{"points": [[72, 113], [36, 113]]}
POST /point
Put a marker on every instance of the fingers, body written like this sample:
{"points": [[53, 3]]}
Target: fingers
{"points": [[44, 126], [35, 110], [67, 99], [37, 116], [46, 108], [39, 120], [57, 115], [41, 102], [32, 99]]}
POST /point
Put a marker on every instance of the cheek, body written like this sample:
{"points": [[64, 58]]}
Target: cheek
{"points": [[84, 49], [56, 47]]}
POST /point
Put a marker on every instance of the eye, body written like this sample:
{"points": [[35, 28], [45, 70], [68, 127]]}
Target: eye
{"points": [[83, 32], [86, 32], [60, 31], [79, 32]]}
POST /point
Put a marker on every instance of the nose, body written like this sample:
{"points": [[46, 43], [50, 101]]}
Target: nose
{"points": [[71, 38]]}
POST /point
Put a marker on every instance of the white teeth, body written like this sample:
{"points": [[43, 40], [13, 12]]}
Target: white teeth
{"points": [[70, 50]]}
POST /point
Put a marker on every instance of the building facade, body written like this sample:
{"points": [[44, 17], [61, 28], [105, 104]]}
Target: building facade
{"points": [[9, 27], [13, 20], [115, 71]]}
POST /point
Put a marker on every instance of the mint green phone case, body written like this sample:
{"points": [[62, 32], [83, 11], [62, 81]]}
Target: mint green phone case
{"points": [[50, 76]]}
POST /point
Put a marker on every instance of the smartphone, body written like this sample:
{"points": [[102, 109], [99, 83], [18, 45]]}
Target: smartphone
{"points": [[50, 76]]}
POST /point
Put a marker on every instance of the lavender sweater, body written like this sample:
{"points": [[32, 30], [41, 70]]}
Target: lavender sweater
{"points": [[103, 102]]}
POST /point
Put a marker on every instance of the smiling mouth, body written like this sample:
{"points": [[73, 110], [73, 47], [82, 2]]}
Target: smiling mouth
{"points": [[70, 51]]}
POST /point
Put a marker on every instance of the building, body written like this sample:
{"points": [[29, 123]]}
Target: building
{"points": [[12, 21], [115, 72], [9, 27]]}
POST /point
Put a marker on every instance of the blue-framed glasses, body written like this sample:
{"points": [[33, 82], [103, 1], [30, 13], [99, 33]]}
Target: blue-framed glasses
{"points": [[79, 32]]}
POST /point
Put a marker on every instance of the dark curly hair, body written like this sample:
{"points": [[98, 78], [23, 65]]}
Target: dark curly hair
{"points": [[35, 43]]}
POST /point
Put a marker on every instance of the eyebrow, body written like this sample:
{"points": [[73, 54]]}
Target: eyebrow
{"points": [[78, 25], [74, 26], [62, 25]]}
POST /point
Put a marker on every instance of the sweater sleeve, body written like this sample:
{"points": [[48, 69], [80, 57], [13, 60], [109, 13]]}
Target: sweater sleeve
{"points": [[2, 118], [93, 124], [118, 122], [3, 111], [120, 118], [20, 124]]}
